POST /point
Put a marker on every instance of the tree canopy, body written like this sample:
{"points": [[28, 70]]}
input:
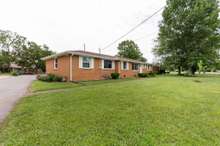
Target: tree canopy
{"points": [[129, 49], [17, 49], [189, 33]]}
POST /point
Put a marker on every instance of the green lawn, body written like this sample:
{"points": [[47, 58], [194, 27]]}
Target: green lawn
{"points": [[161, 111], [5, 74], [44, 86]]}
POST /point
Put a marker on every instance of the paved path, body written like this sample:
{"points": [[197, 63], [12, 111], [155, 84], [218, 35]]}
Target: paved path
{"points": [[3, 76], [11, 90]]}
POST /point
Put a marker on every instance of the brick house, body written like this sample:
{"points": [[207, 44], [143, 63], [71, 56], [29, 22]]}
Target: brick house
{"points": [[81, 65]]}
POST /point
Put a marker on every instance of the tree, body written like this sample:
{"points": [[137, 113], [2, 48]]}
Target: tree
{"points": [[129, 49], [4, 61], [218, 65], [29, 56], [16, 48], [7, 38], [201, 67], [189, 32]]}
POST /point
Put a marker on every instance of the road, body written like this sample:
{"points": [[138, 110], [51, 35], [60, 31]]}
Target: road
{"points": [[11, 90]]}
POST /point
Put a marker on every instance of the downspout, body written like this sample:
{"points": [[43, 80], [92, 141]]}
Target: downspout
{"points": [[71, 67]]}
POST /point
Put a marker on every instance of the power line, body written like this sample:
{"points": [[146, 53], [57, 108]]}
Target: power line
{"points": [[143, 37], [134, 28]]}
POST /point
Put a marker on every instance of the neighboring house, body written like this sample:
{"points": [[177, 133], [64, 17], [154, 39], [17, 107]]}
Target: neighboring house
{"points": [[82, 65], [15, 68]]}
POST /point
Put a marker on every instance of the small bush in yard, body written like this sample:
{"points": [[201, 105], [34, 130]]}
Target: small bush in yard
{"points": [[143, 75], [50, 78], [115, 75], [14, 73]]}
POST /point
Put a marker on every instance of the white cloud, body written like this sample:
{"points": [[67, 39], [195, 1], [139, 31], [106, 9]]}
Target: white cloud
{"points": [[67, 24]]}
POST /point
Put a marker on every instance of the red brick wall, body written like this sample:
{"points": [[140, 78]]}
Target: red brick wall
{"points": [[78, 74], [63, 67], [128, 73], [97, 73], [156, 69]]}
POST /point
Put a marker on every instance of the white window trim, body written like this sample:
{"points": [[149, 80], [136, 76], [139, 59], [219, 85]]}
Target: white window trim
{"points": [[54, 63], [122, 65], [113, 65], [81, 63], [139, 66]]}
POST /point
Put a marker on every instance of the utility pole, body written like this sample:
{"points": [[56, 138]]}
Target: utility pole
{"points": [[99, 50]]}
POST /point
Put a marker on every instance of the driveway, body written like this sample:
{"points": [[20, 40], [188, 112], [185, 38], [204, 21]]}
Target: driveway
{"points": [[3, 76], [11, 90]]}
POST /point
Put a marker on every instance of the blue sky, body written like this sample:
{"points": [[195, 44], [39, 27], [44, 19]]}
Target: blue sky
{"points": [[68, 24]]}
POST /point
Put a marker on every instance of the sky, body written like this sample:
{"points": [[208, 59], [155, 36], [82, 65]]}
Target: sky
{"points": [[68, 24]]}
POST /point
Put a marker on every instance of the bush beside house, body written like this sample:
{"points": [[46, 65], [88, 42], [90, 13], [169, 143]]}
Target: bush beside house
{"points": [[50, 78], [145, 75], [115, 76], [55, 78]]}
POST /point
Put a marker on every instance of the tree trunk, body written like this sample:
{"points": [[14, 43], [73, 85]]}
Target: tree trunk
{"points": [[193, 70], [179, 70]]}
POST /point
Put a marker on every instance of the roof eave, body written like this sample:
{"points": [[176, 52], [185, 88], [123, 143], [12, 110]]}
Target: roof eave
{"points": [[56, 55], [91, 55]]}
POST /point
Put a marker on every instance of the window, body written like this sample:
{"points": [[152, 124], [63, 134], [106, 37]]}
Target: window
{"points": [[86, 62], [55, 64], [125, 66], [108, 64], [135, 66]]}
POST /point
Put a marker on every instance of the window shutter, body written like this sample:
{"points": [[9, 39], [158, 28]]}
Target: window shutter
{"points": [[127, 65], [113, 64], [54, 61], [92, 63], [80, 62], [102, 66], [122, 65]]}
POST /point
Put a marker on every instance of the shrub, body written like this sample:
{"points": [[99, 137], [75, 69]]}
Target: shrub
{"points": [[42, 77], [142, 75], [161, 72], [50, 78], [115, 75], [152, 74], [58, 79], [14, 73], [145, 75]]}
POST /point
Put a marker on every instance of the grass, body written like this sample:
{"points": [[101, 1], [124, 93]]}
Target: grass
{"points": [[5, 74], [38, 86], [44, 86], [162, 111]]}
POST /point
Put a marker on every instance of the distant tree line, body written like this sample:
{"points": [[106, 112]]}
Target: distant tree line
{"points": [[15, 48], [189, 36]]}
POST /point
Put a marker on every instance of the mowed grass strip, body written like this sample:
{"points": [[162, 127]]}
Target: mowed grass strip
{"points": [[38, 86], [45, 86], [157, 111]]}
